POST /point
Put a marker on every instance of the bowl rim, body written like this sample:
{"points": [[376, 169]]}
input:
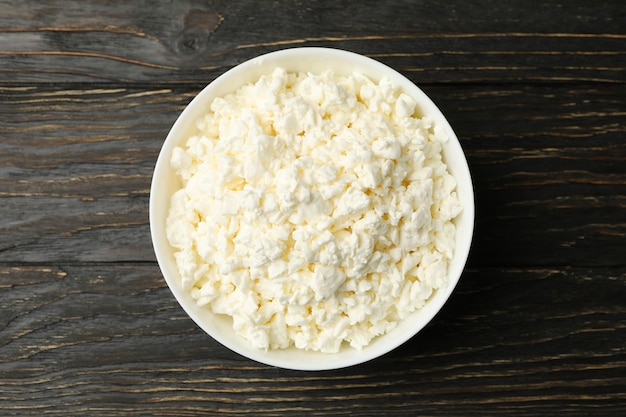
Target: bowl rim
{"points": [[247, 71]]}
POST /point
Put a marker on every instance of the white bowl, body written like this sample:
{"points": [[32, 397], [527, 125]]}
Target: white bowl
{"points": [[165, 183]]}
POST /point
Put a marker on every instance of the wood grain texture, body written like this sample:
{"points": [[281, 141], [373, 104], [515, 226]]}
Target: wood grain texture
{"points": [[194, 41], [547, 163], [509, 341], [76, 170], [535, 91], [549, 170]]}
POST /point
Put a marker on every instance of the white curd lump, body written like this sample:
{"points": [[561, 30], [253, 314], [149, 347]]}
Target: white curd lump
{"points": [[316, 209]]}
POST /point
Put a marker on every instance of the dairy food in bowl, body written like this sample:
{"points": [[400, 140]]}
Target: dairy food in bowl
{"points": [[315, 209], [323, 226]]}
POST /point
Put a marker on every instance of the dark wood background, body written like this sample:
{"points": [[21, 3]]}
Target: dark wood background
{"points": [[536, 91]]}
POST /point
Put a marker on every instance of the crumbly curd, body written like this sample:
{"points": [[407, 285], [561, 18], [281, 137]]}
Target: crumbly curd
{"points": [[316, 210]]}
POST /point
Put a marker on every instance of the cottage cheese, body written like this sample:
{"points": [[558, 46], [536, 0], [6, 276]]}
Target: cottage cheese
{"points": [[314, 210]]}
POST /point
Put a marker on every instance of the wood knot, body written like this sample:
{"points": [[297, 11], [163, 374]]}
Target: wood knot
{"points": [[198, 26]]}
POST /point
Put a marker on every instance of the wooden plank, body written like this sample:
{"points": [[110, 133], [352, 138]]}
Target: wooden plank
{"points": [[75, 171], [91, 339], [547, 163], [192, 41], [535, 91], [549, 172]]}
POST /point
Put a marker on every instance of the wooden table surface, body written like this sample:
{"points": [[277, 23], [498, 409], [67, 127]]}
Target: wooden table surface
{"points": [[536, 91]]}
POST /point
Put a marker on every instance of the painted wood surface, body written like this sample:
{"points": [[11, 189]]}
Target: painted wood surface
{"points": [[536, 93]]}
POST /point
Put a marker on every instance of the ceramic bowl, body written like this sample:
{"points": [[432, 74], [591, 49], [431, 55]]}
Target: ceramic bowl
{"points": [[165, 183]]}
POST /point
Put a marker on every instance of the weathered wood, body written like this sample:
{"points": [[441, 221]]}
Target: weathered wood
{"points": [[76, 167], [114, 342], [194, 41], [548, 167], [535, 91]]}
